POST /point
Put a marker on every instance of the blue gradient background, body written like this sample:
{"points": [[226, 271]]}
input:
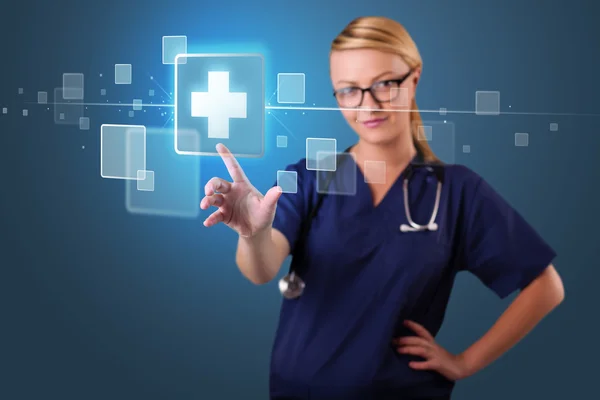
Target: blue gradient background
{"points": [[97, 303]]}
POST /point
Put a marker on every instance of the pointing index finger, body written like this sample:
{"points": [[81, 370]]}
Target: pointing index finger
{"points": [[234, 168]]}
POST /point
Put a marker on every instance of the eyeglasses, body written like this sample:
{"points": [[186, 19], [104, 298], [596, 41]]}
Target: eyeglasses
{"points": [[382, 92]]}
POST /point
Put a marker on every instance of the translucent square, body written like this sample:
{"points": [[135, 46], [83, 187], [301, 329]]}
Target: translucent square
{"points": [[25, 113], [291, 88], [84, 123], [73, 86], [102, 92], [151, 92], [326, 161], [20, 90], [316, 145], [131, 114], [137, 104], [123, 74], [287, 181], [375, 172], [425, 132], [444, 145], [341, 182], [4, 110], [42, 97], [120, 159], [171, 47], [282, 141], [232, 111], [466, 148], [487, 102], [553, 127], [399, 97], [66, 112], [145, 181], [443, 111], [177, 184], [521, 139]]}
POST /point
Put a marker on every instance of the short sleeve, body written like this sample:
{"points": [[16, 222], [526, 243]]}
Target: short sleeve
{"points": [[292, 208], [499, 246]]}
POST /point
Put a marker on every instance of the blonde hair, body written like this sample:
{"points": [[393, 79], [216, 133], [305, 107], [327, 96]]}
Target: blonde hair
{"points": [[387, 35]]}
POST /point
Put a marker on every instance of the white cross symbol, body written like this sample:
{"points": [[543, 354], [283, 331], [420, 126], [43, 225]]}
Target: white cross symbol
{"points": [[218, 105]]}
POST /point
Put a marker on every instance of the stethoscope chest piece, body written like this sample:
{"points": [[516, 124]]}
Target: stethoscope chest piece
{"points": [[291, 286]]}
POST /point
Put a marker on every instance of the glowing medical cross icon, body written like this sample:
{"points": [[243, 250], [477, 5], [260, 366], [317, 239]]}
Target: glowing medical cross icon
{"points": [[218, 105]]}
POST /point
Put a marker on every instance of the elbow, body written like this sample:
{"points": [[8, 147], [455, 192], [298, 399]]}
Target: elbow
{"points": [[555, 290]]}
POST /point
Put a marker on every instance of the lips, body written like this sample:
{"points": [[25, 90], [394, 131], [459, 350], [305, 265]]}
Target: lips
{"points": [[373, 123]]}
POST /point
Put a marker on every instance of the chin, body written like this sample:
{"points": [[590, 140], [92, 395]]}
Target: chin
{"points": [[378, 136]]}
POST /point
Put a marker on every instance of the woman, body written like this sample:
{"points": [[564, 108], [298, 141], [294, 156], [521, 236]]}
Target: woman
{"points": [[375, 296]]}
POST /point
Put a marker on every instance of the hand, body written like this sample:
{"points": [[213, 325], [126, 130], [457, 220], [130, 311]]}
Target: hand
{"points": [[453, 367], [240, 205]]}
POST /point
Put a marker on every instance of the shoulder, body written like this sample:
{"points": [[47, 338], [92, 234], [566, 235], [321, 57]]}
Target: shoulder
{"points": [[462, 178]]}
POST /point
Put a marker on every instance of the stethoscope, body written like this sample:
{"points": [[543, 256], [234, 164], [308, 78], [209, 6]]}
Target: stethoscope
{"points": [[291, 285]]}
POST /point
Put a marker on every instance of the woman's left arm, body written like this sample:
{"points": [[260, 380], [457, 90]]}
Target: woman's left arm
{"points": [[532, 304]]}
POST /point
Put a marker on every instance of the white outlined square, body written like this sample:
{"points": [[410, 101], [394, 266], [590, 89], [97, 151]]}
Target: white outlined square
{"points": [[248, 73], [73, 87], [42, 97], [115, 163], [145, 181], [172, 46], [443, 111], [102, 92], [521, 139], [553, 127], [288, 181], [375, 172], [151, 92], [137, 104], [25, 113], [291, 88], [4, 110], [20, 90], [487, 102], [466, 148], [123, 74], [342, 182], [282, 141], [316, 145], [131, 114]]}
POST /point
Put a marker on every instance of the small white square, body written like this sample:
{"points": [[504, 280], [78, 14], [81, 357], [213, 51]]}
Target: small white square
{"points": [[425, 133], [131, 114], [145, 181], [102, 92], [137, 104], [42, 97], [466, 148], [399, 97], [521, 139], [5, 110], [375, 172], [328, 150], [61, 116], [20, 90], [487, 102], [443, 111], [171, 47], [287, 181], [151, 92], [84, 123], [282, 141], [25, 113], [291, 88], [123, 74], [553, 127]]}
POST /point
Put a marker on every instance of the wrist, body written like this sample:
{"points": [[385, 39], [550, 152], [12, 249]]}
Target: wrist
{"points": [[468, 364]]}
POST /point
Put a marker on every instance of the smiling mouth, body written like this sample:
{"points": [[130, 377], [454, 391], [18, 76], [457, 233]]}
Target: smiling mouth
{"points": [[374, 122]]}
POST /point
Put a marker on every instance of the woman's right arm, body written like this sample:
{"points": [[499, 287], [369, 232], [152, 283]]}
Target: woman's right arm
{"points": [[260, 256]]}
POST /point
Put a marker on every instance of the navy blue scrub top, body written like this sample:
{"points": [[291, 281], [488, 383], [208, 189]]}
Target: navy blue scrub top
{"points": [[364, 277]]}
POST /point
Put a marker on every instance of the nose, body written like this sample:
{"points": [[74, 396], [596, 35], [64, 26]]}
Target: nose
{"points": [[368, 106]]}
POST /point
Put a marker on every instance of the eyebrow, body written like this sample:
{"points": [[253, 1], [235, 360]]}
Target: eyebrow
{"points": [[374, 79]]}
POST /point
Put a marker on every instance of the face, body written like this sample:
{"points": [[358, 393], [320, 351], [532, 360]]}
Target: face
{"points": [[392, 88]]}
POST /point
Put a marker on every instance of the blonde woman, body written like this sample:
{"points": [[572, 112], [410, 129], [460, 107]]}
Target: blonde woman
{"points": [[375, 296]]}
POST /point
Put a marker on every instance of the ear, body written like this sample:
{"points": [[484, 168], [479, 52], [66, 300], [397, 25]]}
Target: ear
{"points": [[415, 77]]}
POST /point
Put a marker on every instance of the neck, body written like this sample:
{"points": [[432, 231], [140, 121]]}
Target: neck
{"points": [[396, 155]]}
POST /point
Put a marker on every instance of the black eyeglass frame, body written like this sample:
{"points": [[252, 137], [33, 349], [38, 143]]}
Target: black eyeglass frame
{"points": [[371, 89]]}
